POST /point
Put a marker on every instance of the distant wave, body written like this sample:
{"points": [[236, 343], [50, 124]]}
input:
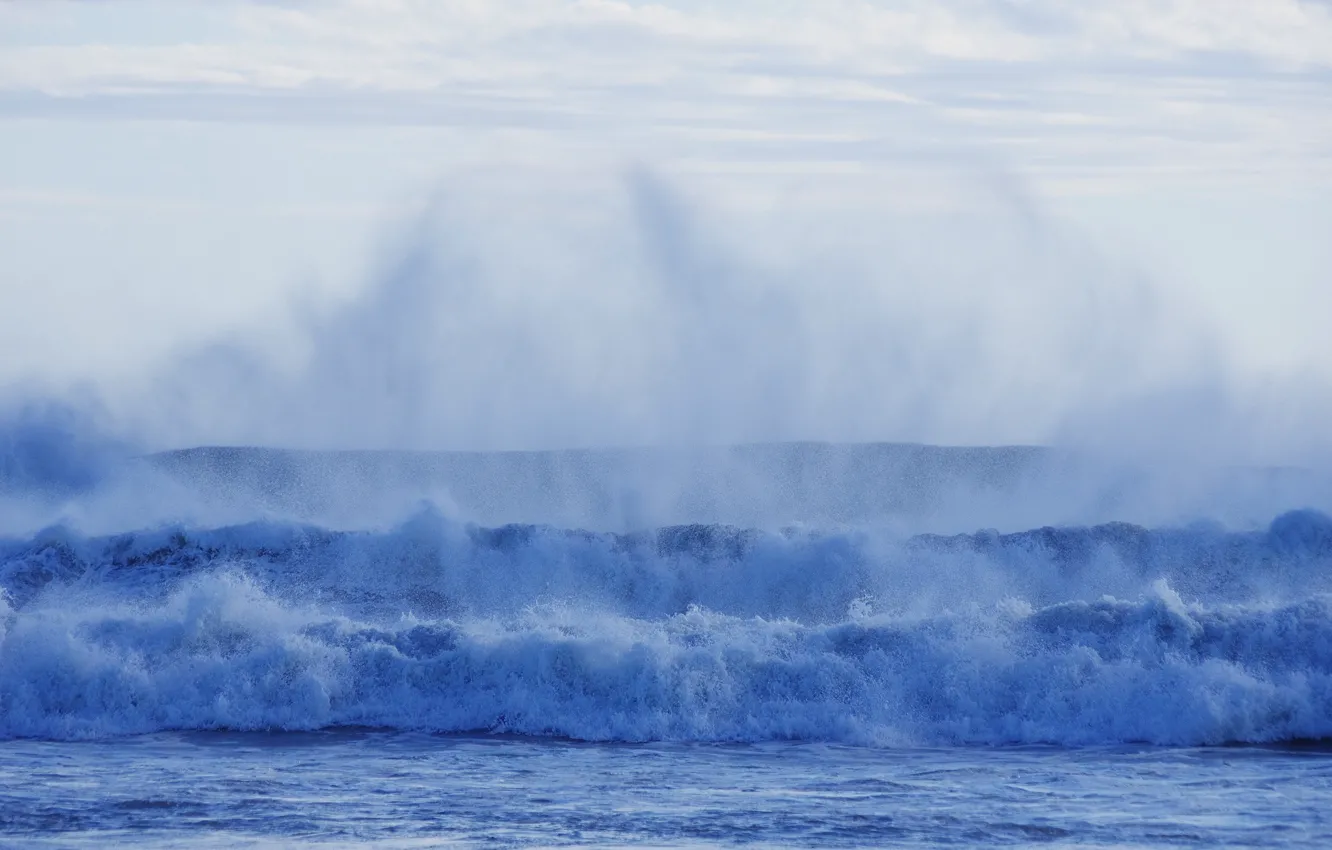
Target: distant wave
{"points": [[1103, 634], [917, 487]]}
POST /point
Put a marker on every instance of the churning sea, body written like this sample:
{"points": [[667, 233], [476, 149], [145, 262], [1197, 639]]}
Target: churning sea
{"points": [[243, 665]]}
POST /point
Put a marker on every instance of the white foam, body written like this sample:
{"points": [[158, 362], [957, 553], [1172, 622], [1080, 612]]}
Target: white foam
{"points": [[698, 633], [220, 653]]}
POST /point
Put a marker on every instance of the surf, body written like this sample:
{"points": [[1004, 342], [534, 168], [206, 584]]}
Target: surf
{"points": [[697, 633]]}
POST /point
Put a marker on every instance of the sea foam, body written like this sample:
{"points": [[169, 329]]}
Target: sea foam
{"points": [[1103, 634]]}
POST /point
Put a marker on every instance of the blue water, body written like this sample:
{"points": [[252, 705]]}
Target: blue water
{"points": [[413, 790], [284, 679]]}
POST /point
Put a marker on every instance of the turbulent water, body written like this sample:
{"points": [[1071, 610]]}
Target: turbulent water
{"points": [[788, 657], [687, 633]]}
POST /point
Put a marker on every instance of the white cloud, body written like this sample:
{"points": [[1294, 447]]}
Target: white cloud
{"points": [[1014, 68], [414, 44]]}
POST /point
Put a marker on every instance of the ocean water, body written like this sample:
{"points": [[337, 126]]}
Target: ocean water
{"points": [[403, 789], [184, 674]]}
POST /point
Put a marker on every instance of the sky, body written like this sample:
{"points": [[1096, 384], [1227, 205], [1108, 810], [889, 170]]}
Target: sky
{"points": [[957, 221]]}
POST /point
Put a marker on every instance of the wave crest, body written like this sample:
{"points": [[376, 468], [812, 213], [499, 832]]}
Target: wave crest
{"points": [[221, 653], [692, 633]]}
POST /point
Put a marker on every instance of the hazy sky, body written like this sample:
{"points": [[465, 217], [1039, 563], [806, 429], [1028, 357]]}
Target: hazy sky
{"points": [[171, 171]]}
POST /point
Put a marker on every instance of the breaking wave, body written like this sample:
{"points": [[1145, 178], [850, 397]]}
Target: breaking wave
{"points": [[1103, 634]]}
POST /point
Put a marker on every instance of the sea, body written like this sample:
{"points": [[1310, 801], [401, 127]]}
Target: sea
{"points": [[782, 645]]}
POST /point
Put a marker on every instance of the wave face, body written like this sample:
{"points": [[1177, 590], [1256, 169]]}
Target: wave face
{"points": [[1075, 635]]}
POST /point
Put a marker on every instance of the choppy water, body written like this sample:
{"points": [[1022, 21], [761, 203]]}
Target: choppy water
{"points": [[431, 679], [1103, 635], [413, 790]]}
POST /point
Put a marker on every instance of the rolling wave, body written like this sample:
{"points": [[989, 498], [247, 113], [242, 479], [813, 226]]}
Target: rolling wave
{"points": [[1100, 634]]}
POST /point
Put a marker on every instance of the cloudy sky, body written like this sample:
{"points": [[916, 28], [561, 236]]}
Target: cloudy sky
{"points": [[172, 173]]}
